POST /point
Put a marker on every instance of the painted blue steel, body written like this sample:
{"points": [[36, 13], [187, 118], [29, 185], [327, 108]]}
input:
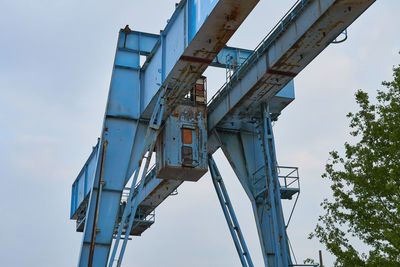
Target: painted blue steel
{"points": [[139, 42], [123, 109], [187, 59], [231, 54], [120, 123], [198, 10], [127, 212], [252, 156], [289, 181], [230, 215], [276, 31], [80, 188], [308, 28], [188, 116], [134, 91], [274, 186], [197, 55], [132, 205], [145, 43], [133, 209]]}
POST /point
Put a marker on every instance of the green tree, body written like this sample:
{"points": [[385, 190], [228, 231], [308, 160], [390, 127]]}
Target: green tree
{"points": [[365, 207]]}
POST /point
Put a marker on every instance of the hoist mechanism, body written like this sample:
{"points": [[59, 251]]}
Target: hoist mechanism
{"points": [[182, 144]]}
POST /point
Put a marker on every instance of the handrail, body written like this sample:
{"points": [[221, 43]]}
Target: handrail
{"points": [[292, 176], [265, 43]]}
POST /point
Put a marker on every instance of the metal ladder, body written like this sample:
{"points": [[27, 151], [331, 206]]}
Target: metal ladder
{"points": [[128, 216], [230, 216]]}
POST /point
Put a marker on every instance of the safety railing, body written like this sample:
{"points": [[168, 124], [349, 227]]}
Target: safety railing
{"points": [[280, 27], [145, 217], [149, 175], [288, 177], [289, 181]]}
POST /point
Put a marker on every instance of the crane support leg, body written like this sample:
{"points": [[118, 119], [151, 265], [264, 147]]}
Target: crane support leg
{"points": [[230, 216], [132, 205], [119, 129], [251, 153]]}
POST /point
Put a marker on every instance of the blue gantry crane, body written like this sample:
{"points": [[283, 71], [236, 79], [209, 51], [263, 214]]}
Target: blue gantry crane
{"points": [[159, 109]]}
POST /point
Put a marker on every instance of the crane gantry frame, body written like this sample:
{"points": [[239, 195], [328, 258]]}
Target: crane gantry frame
{"points": [[116, 192]]}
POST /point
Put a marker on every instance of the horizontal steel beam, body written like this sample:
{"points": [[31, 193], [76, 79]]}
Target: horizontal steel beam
{"points": [[185, 49], [144, 43], [191, 40], [231, 57], [308, 28]]}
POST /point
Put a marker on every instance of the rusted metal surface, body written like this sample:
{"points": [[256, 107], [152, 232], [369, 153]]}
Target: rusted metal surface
{"points": [[278, 60], [182, 146], [196, 59], [97, 204], [155, 192], [213, 35], [280, 73]]}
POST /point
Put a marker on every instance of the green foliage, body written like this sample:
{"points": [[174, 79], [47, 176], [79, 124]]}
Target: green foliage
{"points": [[366, 185]]}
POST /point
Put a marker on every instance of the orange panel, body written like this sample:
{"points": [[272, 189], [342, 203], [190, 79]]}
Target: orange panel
{"points": [[186, 136]]}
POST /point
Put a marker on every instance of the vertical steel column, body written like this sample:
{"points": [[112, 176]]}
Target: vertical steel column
{"points": [[230, 215], [274, 186], [118, 131], [251, 153]]}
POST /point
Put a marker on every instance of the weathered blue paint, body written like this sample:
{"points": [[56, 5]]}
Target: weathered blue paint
{"points": [[178, 61], [133, 90], [251, 154], [82, 185], [120, 123], [230, 216], [231, 55], [306, 30], [238, 120], [198, 10], [177, 159], [146, 43]]}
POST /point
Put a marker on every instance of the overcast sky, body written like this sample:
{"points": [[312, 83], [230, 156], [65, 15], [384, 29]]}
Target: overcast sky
{"points": [[55, 66]]}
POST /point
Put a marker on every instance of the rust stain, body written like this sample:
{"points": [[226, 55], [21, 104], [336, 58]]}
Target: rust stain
{"points": [[154, 192], [325, 31], [195, 59], [282, 73]]}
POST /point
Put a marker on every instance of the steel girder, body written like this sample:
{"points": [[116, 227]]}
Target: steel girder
{"points": [[192, 42], [120, 123], [251, 153], [292, 47], [307, 29]]}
